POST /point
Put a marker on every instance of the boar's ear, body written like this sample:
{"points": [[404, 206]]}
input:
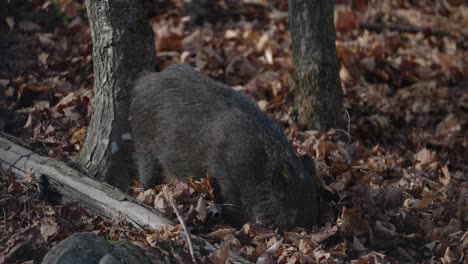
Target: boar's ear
{"points": [[280, 182], [309, 164]]}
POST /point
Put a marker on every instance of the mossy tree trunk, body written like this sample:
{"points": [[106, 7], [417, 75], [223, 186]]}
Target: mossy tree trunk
{"points": [[318, 98], [123, 47]]}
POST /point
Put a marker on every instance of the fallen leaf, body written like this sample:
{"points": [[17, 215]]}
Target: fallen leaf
{"points": [[10, 22], [354, 221], [201, 209], [28, 26], [79, 136], [345, 20], [394, 198], [220, 233], [220, 256], [48, 228], [147, 197], [43, 58]]}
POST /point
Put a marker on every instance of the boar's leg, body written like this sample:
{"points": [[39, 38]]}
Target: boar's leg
{"points": [[149, 169], [234, 215], [231, 206]]}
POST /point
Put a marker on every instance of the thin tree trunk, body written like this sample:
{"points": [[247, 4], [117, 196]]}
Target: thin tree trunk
{"points": [[318, 99], [123, 47]]}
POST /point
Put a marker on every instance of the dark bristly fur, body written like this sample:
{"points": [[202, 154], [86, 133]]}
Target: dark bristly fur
{"points": [[186, 124]]}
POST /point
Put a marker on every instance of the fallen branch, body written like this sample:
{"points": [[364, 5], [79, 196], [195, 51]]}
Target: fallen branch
{"points": [[379, 27], [75, 186]]}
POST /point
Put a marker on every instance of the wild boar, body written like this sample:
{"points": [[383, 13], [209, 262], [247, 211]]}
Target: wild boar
{"points": [[185, 124]]}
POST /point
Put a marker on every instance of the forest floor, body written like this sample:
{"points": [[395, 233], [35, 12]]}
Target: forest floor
{"points": [[394, 188]]}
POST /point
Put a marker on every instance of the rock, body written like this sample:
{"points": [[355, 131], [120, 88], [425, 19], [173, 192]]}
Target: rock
{"points": [[88, 248]]}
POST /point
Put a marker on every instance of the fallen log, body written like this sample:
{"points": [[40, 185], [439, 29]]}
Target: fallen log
{"points": [[75, 186]]}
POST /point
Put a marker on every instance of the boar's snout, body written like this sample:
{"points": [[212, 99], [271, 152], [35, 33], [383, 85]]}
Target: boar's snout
{"points": [[296, 194], [295, 217], [308, 205], [305, 215], [305, 208]]}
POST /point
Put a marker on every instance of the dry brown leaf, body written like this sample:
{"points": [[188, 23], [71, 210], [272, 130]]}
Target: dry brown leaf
{"points": [[201, 209], [354, 221], [79, 136], [42, 57], [220, 233], [147, 197], [375, 258], [49, 228], [326, 232], [394, 198], [10, 22], [345, 20], [160, 202], [28, 26], [220, 256], [425, 157]]}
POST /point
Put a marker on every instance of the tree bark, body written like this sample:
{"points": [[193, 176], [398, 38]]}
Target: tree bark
{"points": [[74, 186], [123, 47], [318, 99]]}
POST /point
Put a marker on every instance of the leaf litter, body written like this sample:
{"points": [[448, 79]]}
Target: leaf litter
{"points": [[397, 192]]}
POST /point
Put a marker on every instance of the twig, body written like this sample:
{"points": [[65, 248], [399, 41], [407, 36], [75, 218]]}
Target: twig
{"points": [[378, 27], [4, 223], [5, 258], [170, 199], [349, 125], [346, 133]]}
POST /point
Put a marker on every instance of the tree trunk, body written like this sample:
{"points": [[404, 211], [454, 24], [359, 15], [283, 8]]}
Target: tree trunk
{"points": [[123, 47], [318, 99]]}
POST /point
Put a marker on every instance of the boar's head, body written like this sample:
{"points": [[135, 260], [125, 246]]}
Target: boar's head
{"points": [[293, 201]]}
